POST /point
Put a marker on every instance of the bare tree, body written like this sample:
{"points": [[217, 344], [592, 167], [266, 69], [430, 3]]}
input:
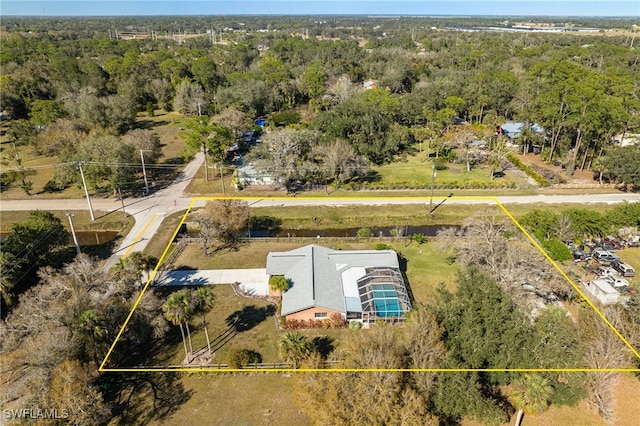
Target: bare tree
{"points": [[189, 99], [234, 119], [341, 161], [604, 350], [222, 220], [341, 90], [517, 266]]}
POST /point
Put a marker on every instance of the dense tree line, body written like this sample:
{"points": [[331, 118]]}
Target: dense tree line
{"points": [[582, 90], [60, 330], [487, 323]]}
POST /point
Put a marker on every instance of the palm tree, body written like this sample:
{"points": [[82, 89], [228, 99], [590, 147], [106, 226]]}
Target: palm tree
{"points": [[93, 324], [142, 262], [178, 309], [531, 395], [203, 303], [8, 266], [279, 283], [294, 347]]}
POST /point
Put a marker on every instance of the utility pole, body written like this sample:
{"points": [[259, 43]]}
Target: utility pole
{"points": [[73, 232], [144, 173], [222, 176], [86, 191], [206, 171], [433, 181], [122, 201]]}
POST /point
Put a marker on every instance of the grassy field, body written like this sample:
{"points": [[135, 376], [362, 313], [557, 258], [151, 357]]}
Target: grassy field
{"points": [[238, 399], [412, 169], [105, 221], [327, 217], [233, 323], [631, 256], [158, 243], [165, 124]]}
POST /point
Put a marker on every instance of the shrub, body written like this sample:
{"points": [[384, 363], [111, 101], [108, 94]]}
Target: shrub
{"points": [[336, 321], [557, 249], [440, 165], [238, 358], [355, 325], [364, 233], [528, 170], [383, 246], [284, 118], [419, 238], [398, 231]]}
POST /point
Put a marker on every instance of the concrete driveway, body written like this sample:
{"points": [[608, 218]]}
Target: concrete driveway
{"points": [[254, 281]]}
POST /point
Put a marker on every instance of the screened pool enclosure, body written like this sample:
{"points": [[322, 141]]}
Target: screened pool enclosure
{"points": [[383, 295]]}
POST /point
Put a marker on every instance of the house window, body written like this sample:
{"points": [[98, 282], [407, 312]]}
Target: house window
{"points": [[321, 315]]}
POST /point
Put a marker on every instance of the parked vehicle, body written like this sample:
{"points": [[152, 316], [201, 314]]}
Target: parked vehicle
{"points": [[580, 256], [613, 243], [624, 269], [600, 253], [604, 256]]}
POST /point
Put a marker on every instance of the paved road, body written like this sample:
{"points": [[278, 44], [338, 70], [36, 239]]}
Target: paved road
{"points": [[150, 211]]}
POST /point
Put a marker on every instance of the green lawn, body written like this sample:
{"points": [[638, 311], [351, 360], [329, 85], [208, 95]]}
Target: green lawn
{"points": [[414, 170], [165, 125], [254, 330], [631, 256], [238, 399]]}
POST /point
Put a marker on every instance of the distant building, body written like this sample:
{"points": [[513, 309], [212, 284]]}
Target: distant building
{"points": [[249, 175], [370, 84], [627, 139], [363, 285], [513, 130]]}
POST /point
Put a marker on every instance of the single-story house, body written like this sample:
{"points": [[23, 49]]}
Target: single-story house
{"points": [[603, 291], [512, 129], [363, 285], [249, 175]]}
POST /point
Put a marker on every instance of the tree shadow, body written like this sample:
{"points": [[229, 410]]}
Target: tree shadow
{"points": [[265, 223], [131, 396], [249, 317], [323, 345], [372, 176], [402, 263], [239, 321], [149, 124]]}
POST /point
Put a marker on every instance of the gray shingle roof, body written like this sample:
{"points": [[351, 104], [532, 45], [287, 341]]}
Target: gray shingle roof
{"points": [[315, 274]]}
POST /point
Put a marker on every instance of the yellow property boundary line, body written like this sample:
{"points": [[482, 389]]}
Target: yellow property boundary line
{"points": [[346, 201]]}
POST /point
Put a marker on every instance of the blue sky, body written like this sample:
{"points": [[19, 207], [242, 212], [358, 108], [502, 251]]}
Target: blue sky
{"points": [[328, 7]]}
